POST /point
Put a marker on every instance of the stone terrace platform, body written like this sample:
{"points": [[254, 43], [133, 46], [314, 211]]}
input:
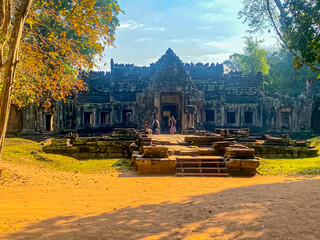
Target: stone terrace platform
{"points": [[226, 152], [189, 155]]}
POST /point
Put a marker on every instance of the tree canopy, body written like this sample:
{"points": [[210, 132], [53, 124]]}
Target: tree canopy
{"points": [[295, 21], [283, 77], [43, 43], [59, 38], [253, 58]]}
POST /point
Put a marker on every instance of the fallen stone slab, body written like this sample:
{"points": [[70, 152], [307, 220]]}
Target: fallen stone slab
{"points": [[59, 142], [156, 165], [220, 146], [235, 152], [242, 167], [134, 147], [155, 152]]}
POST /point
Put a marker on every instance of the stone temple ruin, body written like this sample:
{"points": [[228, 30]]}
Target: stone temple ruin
{"points": [[223, 153], [203, 99], [200, 96]]}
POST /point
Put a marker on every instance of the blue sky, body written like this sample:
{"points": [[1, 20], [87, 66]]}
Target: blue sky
{"points": [[197, 30]]}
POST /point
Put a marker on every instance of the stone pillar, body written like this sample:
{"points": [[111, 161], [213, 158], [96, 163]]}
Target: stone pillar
{"points": [[190, 110]]}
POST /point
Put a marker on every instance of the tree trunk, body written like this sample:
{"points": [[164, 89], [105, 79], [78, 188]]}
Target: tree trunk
{"points": [[281, 10], [10, 66]]}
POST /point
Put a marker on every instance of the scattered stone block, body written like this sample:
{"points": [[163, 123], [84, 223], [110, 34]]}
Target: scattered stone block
{"points": [[156, 165], [59, 142], [155, 151], [312, 152], [133, 147], [233, 152], [124, 134], [242, 167]]}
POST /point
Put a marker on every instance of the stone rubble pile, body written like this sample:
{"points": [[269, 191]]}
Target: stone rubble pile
{"points": [[241, 161]]}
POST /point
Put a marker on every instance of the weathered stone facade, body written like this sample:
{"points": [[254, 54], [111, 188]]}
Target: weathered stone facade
{"points": [[199, 96]]}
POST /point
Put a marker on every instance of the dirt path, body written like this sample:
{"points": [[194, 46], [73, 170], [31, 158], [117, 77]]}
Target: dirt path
{"points": [[39, 203]]}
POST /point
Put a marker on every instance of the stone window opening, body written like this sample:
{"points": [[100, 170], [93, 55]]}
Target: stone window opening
{"points": [[231, 117], [248, 117], [105, 118], [210, 115], [88, 118], [48, 120], [127, 115]]}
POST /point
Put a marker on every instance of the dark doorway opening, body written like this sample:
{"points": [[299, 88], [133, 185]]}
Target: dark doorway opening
{"points": [[209, 115], [48, 122], [315, 120], [231, 117], [105, 118], [127, 115], [168, 110], [88, 118], [248, 117]]}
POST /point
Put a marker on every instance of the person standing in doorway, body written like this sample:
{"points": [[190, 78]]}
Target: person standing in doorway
{"points": [[173, 125], [146, 125], [156, 126]]}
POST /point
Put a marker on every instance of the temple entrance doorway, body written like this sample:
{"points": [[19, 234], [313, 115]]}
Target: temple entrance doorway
{"points": [[171, 105], [168, 110]]}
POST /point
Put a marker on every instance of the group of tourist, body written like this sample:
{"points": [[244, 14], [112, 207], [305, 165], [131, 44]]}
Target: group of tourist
{"points": [[156, 126]]}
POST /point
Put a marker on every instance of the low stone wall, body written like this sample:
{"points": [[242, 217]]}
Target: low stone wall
{"points": [[114, 146], [273, 147], [154, 159], [203, 140], [90, 148]]}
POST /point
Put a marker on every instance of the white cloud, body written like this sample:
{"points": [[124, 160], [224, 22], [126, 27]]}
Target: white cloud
{"points": [[218, 44], [142, 39], [154, 28], [130, 25], [219, 57], [207, 4]]}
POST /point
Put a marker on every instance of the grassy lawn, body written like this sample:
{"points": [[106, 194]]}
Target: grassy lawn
{"points": [[26, 152], [301, 166], [22, 151]]}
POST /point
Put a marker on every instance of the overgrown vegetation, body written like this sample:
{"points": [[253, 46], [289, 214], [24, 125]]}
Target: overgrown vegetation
{"points": [[26, 152], [300, 166]]}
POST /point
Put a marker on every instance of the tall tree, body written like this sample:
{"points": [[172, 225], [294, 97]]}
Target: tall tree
{"points": [[296, 22], [59, 37], [253, 58], [232, 64], [11, 27], [283, 77]]}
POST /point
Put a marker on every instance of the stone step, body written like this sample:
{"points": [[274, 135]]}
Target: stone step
{"points": [[205, 162], [201, 168], [203, 174], [209, 152], [198, 158]]}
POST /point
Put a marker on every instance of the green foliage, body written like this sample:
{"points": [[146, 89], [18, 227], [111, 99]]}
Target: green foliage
{"points": [[254, 57], [300, 166], [297, 22], [255, 14], [232, 63], [302, 21], [283, 77], [26, 152]]}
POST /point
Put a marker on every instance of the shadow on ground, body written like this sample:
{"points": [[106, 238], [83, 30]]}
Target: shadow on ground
{"points": [[287, 210]]}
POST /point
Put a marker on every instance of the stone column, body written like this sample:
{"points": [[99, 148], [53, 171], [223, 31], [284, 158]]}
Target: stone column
{"points": [[190, 110]]}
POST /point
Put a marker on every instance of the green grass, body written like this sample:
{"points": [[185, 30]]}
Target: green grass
{"points": [[300, 166], [26, 152]]}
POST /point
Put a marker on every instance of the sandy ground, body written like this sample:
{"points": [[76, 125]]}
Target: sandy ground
{"points": [[38, 203]]}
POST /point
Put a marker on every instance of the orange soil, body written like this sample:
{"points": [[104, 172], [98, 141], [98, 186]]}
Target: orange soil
{"points": [[38, 203]]}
